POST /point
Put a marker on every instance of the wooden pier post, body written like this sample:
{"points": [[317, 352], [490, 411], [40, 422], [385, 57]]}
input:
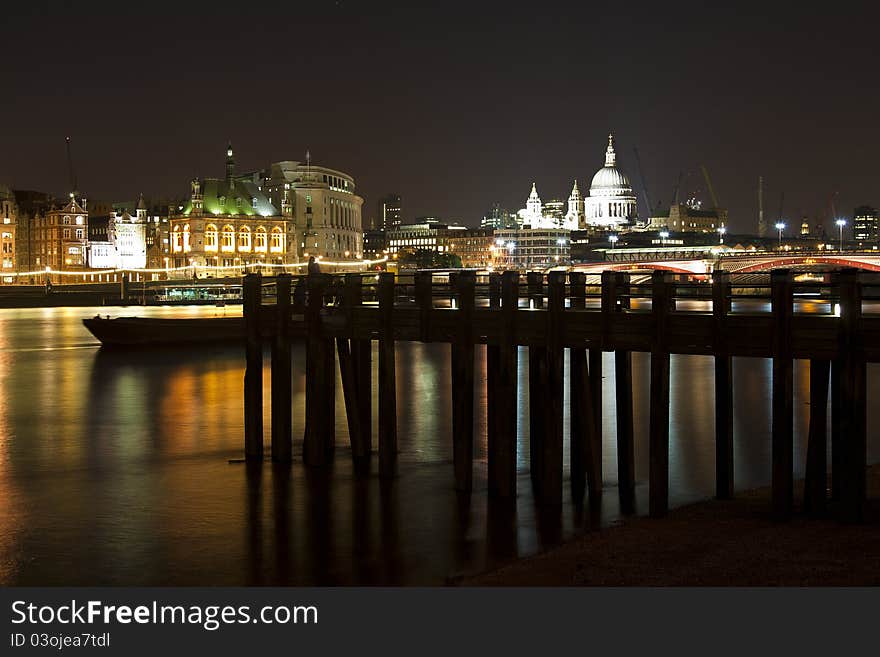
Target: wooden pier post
{"points": [[315, 450], [551, 460], [387, 383], [581, 421], [502, 396], [658, 445], [281, 394], [352, 298], [425, 301], [816, 476], [623, 375], [493, 351], [853, 401], [537, 379], [721, 306], [253, 374], [463, 383], [362, 362], [781, 293], [594, 473]]}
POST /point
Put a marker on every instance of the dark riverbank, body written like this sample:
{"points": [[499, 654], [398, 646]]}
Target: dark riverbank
{"points": [[712, 543]]}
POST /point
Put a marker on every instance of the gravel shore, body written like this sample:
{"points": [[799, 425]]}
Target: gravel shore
{"points": [[712, 543]]}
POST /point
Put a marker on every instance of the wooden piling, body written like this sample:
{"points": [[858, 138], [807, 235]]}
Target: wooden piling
{"points": [[463, 382], [816, 477], [537, 380], [387, 383], [362, 364], [853, 401], [315, 450], [281, 394], [493, 351], [721, 305], [253, 375], [781, 293], [658, 444], [502, 396], [425, 301], [351, 393], [550, 486], [594, 474], [581, 421], [626, 476]]}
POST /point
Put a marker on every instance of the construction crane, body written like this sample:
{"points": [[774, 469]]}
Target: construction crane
{"points": [[711, 189], [644, 184], [74, 191], [677, 187]]}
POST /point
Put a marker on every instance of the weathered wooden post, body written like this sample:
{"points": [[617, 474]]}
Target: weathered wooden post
{"points": [[315, 442], [253, 374], [781, 299], [721, 305], [816, 475], [581, 423], [424, 281], [537, 379], [623, 377], [362, 360], [387, 385], [853, 402], [502, 395], [282, 439], [658, 442], [492, 355], [463, 382], [551, 459], [348, 369]]}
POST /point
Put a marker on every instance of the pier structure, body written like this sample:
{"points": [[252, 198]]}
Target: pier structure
{"points": [[546, 313]]}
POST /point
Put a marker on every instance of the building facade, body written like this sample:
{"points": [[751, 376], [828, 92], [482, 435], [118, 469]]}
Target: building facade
{"points": [[498, 217], [474, 246], [866, 224], [324, 208], [532, 248], [389, 214], [229, 223], [689, 218], [8, 224], [57, 236]]}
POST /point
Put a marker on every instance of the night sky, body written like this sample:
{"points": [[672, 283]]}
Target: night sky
{"points": [[454, 107]]}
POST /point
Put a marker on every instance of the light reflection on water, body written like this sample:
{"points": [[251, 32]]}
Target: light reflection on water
{"points": [[114, 467]]}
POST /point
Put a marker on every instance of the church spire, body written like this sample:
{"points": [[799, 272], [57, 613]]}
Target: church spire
{"points": [[610, 155]]}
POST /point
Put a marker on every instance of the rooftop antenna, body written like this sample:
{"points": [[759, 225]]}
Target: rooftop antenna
{"points": [[74, 191], [308, 164]]}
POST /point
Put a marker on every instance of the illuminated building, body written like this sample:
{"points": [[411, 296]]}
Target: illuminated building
{"points": [[429, 235], [498, 217], [611, 202], [229, 223], [866, 224], [689, 218], [8, 223], [474, 246], [323, 205], [532, 248], [375, 244], [389, 213], [31, 208], [575, 218], [58, 236], [125, 243]]}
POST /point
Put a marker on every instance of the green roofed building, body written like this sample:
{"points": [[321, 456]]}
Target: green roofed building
{"points": [[229, 223]]}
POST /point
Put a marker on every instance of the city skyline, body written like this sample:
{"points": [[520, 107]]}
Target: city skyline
{"points": [[686, 94]]}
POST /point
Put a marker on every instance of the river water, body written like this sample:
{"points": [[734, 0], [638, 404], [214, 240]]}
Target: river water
{"points": [[115, 467]]}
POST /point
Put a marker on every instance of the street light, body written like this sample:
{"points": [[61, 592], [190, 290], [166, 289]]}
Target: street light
{"points": [[840, 224], [780, 226], [613, 239], [721, 232], [664, 235]]}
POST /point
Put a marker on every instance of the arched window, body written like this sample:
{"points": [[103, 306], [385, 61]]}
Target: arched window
{"points": [[187, 245], [176, 240], [227, 239], [210, 237], [244, 239], [277, 244], [260, 240]]}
